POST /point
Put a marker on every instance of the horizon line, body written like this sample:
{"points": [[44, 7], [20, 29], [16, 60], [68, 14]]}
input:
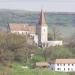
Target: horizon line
{"points": [[38, 10]]}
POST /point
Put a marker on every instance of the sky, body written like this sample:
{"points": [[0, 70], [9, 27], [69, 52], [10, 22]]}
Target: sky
{"points": [[37, 5]]}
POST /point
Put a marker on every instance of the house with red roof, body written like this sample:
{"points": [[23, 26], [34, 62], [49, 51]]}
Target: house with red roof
{"points": [[64, 65]]}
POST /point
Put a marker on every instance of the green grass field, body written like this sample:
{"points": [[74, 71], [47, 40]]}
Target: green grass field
{"points": [[18, 70], [35, 72]]}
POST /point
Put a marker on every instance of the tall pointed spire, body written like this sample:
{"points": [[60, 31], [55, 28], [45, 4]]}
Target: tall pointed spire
{"points": [[42, 20]]}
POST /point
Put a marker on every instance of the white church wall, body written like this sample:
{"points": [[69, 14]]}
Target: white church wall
{"points": [[55, 43], [44, 34], [20, 32], [36, 39]]}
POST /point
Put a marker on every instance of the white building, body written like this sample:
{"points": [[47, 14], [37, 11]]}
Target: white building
{"points": [[39, 33], [64, 65], [55, 43]]}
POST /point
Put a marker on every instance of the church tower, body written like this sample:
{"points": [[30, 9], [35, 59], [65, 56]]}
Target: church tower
{"points": [[42, 31]]}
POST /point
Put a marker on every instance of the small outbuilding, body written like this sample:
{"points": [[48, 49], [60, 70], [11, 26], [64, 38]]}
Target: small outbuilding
{"points": [[42, 64]]}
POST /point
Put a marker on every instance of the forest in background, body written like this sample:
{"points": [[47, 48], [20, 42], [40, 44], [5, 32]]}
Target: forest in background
{"points": [[64, 21]]}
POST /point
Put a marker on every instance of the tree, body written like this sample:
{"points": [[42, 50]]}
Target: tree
{"points": [[56, 33], [56, 52], [70, 42], [50, 36], [11, 45]]}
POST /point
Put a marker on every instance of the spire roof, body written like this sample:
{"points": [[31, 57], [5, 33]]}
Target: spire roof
{"points": [[42, 20]]}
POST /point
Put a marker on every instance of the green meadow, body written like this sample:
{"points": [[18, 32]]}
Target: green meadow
{"points": [[18, 70]]}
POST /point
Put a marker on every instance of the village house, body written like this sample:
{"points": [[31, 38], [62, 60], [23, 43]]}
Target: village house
{"points": [[38, 32], [64, 65]]}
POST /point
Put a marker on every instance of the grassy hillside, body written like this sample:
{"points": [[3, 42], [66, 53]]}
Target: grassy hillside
{"points": [[65, 22], [36, 72], [18, 70]]}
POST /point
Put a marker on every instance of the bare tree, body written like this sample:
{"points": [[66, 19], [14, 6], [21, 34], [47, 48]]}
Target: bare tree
{"points": [[56, 33]]}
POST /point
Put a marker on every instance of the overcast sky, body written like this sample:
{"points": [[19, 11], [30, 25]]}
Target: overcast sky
{"points": [[37, 5]]}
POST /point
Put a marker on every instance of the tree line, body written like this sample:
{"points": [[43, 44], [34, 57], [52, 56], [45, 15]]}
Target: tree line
{"points": [[14, 48]]}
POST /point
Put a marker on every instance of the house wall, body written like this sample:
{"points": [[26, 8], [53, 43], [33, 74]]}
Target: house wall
{"points": [[63, 67], [52, 67]]}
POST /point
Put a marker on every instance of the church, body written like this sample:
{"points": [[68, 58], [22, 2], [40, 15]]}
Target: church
{"points": [[39, 32]]}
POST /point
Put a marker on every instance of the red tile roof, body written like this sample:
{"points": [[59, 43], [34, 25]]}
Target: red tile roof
{"points": [[64, 61], [22, 27]]}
